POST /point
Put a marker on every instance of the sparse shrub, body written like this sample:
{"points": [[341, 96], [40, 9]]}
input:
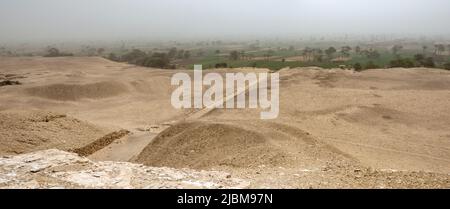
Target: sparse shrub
{"points": [[200, 53], [330, 51], [447, 66], [221, 65], [158, 60], [100, 51], [371, 65], [396, 49], [180, 54], [357, 49], [429, 62], [373, 54], [187, 54], [345, 51], [54, 52], [424, 61], [358, 67], [402, 62], [134, 56], [234, 55], [319, 58], [419, 58], [138, 57], [113, 57], [172, 52]]}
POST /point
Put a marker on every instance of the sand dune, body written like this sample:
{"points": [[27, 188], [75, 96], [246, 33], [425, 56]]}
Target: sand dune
{"points": [[74, 92], [336, 128], [25, 131], [205, 145]]}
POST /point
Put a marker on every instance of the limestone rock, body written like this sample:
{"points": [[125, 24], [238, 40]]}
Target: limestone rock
{"points": [[59, 169]]}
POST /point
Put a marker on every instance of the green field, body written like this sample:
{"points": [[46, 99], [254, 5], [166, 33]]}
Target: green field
{"points": [[211, 60], [271, 58]]}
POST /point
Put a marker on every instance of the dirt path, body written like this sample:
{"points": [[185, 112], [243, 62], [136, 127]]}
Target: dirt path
{"points": [[125, 148], [130, 146]]}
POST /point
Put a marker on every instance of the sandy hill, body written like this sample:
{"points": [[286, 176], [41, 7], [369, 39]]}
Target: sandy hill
{"points": [[336, 128], [25, 131]]}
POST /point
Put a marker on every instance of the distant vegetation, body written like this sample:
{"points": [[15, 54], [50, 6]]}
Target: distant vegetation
{"points": [[349, 57], [273, 55], [54, 52], [221, 65], [152, 59], [138, 57], [447, 66]]}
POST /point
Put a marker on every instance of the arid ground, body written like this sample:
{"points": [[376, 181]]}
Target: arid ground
{"points": [[382, 128]]}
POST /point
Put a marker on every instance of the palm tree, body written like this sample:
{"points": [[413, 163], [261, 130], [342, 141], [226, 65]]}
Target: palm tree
{"points": [[358, 49], [234, 55], [316, 54], [242, 55], [439, 49], [330, 51], [396, 49], [345, 51], [424, 49], [307, 53]]}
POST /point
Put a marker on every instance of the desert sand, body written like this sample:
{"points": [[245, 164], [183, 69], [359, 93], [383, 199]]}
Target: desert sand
{"points": [[382, 128]]}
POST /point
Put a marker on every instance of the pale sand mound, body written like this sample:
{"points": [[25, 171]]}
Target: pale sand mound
{"points": [[25, 131], [205, 145], [375, 115], [73, 92]]}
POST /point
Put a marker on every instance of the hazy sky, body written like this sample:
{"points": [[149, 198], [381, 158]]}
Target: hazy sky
{"points": [[116, 19]]}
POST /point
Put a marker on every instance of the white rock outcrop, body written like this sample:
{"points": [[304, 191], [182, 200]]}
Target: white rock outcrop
{"points": [[59, 169]]}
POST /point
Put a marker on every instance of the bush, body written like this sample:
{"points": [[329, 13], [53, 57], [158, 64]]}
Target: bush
{"points": [[113, 57], [406, 63], [357, 67], [138, 57], [374, 54], [54, 52], [371, 65], [172, 52], [447, 66], [234, 55], [134, 56], [157, 60], [221, 65], [419, 58], [429, 62], [187, 54]]}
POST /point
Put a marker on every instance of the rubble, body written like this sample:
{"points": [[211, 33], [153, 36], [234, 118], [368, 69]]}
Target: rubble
{"points": [[59, 169]]}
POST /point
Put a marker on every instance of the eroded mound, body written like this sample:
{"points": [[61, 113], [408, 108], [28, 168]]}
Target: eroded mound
{"points": [[25, 131], [204, 145], [371, 115], [73, 92]]}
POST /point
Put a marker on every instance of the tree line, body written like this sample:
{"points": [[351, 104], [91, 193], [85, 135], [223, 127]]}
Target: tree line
{"points": [[152, 59]]}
